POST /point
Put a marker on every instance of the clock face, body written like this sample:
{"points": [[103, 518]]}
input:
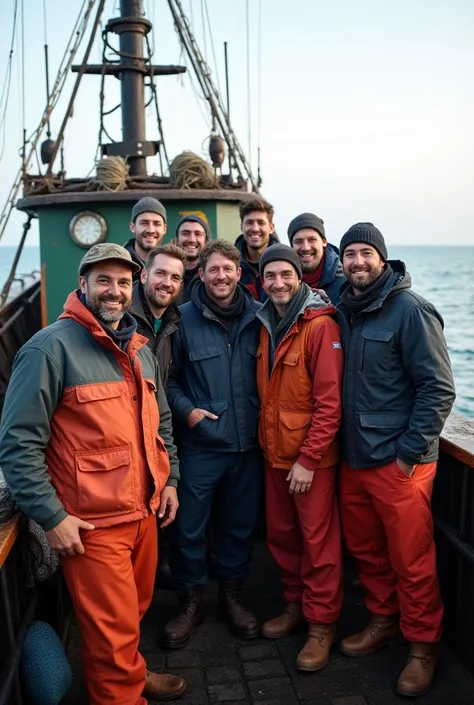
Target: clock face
{"points": [[87, 229]]}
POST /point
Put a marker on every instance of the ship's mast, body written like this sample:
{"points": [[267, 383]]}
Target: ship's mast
{"points": [[132, 67]]}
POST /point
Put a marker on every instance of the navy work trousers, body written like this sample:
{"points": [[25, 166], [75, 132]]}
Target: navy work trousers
{"points": [[234, 479]]}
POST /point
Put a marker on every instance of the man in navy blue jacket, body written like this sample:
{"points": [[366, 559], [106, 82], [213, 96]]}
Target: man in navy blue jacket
{"points": [[212, 392]]}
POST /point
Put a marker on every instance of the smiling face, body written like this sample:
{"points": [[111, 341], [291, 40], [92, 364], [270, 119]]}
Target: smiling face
{"points": [[310, 247], [149, 230], [256, 229], [191, 238], [107, 287], [362, 265], [162, 281], [281, 283], [220, 278]]}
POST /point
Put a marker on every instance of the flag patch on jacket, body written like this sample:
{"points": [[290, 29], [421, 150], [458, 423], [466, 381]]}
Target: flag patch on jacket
{"points": [[336, 345]]}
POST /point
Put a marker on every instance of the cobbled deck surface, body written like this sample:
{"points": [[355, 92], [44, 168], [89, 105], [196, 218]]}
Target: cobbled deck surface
{"points": [[223, 670]]}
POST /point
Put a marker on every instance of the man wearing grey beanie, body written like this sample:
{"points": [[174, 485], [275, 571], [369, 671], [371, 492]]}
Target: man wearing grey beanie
{"points": [[148, 224], [397, 394], [299, 377]]}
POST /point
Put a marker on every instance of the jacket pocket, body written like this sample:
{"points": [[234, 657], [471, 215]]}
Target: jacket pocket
{"points": [[292, 430], [213, 430], [379, 434], [377, 351], [105, 482]]}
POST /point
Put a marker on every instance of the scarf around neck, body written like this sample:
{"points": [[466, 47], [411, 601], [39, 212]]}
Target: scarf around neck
{"points": [[359, 302], [280, 326]]}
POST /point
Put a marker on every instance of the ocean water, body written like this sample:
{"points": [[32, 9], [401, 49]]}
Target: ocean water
{"points": [[443, 275]]}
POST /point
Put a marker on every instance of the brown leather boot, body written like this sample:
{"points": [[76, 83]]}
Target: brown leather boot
{"points": [[381, 631], [286, 623], [163, 686], [315, 653], [177, 632], [231, 610], [417, 676]]}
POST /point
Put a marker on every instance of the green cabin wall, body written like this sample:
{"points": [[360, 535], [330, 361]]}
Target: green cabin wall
{"points": [[61, 256]]}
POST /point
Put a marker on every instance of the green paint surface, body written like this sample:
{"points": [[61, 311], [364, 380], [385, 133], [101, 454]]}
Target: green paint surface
{"points": [[62, 256]]}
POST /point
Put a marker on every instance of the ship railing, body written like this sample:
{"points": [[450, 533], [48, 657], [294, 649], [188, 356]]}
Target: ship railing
{"points": [[453, 512], [17, 608], [19, 320], [22, 600]]}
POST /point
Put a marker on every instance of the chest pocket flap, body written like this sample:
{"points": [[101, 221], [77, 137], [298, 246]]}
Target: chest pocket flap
{"points": [[291, 358], [98, 392], [379, 334], [204, 353]]}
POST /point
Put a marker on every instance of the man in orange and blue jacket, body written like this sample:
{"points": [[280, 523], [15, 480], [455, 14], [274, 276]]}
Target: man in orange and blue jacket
{"points": [[299, 375], [87, 450]]}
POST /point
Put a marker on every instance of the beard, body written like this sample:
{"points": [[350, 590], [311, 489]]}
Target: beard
{"points": [[365, 279], [99, 308], [157, 298]]}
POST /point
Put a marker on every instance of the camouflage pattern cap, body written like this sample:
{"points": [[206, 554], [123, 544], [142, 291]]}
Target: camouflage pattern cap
{"points": [[107, 251]]}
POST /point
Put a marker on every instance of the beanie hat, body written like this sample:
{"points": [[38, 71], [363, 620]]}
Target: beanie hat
{"points": [[148, 205], [306, 220], [194, 219], [365, 232], [278, 253]]}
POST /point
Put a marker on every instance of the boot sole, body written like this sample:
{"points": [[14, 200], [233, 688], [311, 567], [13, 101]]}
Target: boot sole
{"points": [[245, 635], [415, 695], [281, 636], [307, 669], [165, 698], [391, 644], [180, 643]]}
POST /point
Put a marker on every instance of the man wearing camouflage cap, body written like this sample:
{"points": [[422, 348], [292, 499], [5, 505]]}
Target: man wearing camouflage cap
{"points": [[148, 225], [87, 450]]}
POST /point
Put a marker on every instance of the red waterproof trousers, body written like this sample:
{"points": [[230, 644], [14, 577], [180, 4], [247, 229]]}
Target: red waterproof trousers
{"points": [[304, 538], [388, 527], [111, 587]]}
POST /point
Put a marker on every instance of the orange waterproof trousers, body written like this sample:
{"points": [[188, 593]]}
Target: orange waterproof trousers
{"points": [[304, 538], [111, 587], [388, 527]]}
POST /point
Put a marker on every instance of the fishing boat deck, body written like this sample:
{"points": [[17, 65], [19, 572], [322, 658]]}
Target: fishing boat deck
{"points": [[225, 670]]}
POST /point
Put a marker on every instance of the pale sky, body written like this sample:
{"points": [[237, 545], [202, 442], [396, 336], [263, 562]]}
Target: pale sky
{"points": [[366, 106]]}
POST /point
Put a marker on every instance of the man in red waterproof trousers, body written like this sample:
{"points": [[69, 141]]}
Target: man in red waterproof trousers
{"points": [[299, 371], [398, 391]]}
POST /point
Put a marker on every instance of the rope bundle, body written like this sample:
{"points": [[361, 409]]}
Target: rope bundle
{"points": [[111, 174], [189, 171]]}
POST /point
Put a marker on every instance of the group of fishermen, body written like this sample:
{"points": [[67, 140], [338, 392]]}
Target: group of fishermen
{"points": [[320, 363]]}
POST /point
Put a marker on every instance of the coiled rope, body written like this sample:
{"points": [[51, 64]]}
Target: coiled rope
{"points": [[189, 171], [111, 174]]}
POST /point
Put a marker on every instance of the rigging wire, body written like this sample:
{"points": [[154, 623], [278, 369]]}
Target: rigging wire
{"points": [[23, 82], [212, 46], [247, 33], [76, 87], [259, 88], [74, 42], [7, 81], [203, 30]]}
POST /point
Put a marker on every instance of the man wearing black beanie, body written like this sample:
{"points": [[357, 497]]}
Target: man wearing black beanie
{"points": [[398, 392], [322, 268]]}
